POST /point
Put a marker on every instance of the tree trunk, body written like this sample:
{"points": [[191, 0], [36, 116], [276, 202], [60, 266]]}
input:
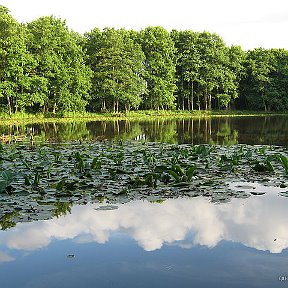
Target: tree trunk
{"points": [[198, 102], [264, 104], [15, 105], [192, 96], [103, 105], [114, 106], [210, 102], [127, 107], [9, 105], [45, 109], [54, 108], [205, 101]]}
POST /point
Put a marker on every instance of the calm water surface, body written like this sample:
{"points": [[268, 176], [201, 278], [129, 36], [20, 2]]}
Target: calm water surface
{"points": [[176, 243], [223, 130], [184, 242]]}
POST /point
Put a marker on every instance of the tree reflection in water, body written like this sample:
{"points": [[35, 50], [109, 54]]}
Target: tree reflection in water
{"points": [[217, 130]]}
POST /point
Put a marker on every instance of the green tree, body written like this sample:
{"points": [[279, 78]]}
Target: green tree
{"points": [[117, 63], [236, 65], [64, 77], [260, 64], [187, 68], [216, 79], [278, 90], [15, 62], [206, 74], [159, 68]]}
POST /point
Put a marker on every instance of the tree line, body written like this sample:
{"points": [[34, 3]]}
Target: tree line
{"points": [[45, 67]]}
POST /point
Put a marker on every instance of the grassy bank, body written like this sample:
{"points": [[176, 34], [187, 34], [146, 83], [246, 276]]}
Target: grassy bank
{"points": [[25, 118]]}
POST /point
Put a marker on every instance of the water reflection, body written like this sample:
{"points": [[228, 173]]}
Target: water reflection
{"points": [[259, 222], [5, 257], [223, 130]]}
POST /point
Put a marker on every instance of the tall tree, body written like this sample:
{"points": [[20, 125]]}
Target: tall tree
{"points": [[117, 63], [205, 72], [187, 68], [65, 79], [15, 62], [259, 65], [159, 67], [217, 81], [264, 86], [278, 90], [236, 65]]}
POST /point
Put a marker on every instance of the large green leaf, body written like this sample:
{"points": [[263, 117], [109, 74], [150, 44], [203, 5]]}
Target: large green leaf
{"points": [[6, 178]]}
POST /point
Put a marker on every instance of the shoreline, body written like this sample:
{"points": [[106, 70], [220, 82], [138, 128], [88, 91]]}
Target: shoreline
{"points": [[145, 115]]}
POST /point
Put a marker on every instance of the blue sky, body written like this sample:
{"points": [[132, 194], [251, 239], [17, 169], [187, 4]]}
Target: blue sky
{"points": [[249, 23]]}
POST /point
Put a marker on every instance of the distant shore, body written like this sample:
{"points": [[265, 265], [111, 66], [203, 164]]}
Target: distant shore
{"points": [[142, 115]]}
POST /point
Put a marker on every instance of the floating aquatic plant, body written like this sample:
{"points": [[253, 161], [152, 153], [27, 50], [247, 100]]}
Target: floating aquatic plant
{"points": [[6, 178], [106, 171], [284, 161]]}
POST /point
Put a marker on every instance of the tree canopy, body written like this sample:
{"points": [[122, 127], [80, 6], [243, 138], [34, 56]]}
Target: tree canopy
{"points": [[46, 67], [117, 62], [160, 67], [63, 77]]}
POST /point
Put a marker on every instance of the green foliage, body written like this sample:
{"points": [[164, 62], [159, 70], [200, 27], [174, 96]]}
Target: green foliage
{"points": [[263, 167], [159, 51], [16, 64], [6, 178], [284, 161], [61, 208], [206, 70], [3, 10], [127, 170], [63, 80], [96, 164], [264, 84], [7, 220], [117, 62], [46, 68]]}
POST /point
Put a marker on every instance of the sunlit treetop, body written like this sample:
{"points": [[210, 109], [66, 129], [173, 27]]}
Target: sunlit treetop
{"points": [[4, 10]]}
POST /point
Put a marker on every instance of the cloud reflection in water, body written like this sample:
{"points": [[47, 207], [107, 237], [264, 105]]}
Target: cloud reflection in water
{"points": [[259, 222]]}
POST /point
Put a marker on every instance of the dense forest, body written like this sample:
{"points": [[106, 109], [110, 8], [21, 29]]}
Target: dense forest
{"points": [[45, 67]]}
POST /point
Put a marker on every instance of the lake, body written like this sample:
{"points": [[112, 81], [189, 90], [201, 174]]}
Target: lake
{"points": [[191, 240], [219, 130]]}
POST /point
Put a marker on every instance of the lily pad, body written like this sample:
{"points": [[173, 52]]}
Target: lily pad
{"points": [[245, 187], [285, 194], [107, 207], [107, 172], [257, 193]]}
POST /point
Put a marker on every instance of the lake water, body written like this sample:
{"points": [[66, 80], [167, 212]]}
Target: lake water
{"points": [[221, 130], [180, 242]]}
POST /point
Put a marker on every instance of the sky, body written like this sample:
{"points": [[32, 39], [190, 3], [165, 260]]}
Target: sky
{"points": [[248, 23]]}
